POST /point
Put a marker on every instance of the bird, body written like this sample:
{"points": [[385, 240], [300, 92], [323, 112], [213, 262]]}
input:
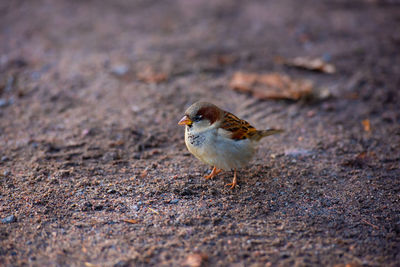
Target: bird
{"points": [[220, 139]]}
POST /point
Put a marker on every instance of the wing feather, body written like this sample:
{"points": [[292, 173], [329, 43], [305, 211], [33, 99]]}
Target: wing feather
{"points": [[239, 129]]}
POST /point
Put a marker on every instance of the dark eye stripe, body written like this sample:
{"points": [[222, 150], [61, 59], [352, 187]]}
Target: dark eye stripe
{"points": [[198, 118]]}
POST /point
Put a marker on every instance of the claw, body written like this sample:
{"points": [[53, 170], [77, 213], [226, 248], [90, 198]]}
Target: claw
{"points": [[213, 173], [234, 181]]}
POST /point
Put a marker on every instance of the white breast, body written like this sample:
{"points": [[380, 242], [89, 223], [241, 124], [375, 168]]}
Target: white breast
{"points": [[214, 148]]}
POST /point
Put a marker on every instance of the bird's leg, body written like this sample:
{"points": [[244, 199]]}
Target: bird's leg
{"points": [[234, 181], [214, 172]]}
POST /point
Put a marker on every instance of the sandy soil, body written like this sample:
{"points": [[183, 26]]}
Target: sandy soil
{"points": [[93, 166]]}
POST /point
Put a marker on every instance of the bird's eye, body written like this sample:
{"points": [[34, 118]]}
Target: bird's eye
{"points": [[197, 118]]}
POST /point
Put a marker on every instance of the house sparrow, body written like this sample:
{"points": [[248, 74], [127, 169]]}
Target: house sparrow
{"points": [[220, 139]]}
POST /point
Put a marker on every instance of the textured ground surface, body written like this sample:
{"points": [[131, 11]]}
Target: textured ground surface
{"points": [[87, 140]]}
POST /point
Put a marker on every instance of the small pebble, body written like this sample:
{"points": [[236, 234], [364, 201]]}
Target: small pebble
{"points": [[297, 152], [327, 57], [3, 102], [120, 70], [111, 191], [9, 85], [35, 145], [9, 219], [35, 75]]}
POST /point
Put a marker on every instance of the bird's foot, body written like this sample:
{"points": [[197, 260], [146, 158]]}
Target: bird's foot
{"points": [[233, 185], [213, 173], [234, 182]]}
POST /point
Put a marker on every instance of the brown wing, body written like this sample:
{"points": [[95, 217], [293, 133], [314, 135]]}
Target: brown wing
{"points": [[240, 129]]}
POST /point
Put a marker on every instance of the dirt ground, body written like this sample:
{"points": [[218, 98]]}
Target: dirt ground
{"points": [[93, 166]]}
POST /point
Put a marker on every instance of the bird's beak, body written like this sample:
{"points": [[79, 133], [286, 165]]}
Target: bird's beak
{"points": [[185, 121]]}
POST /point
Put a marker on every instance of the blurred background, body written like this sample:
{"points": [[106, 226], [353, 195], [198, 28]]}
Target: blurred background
{"points": [[94, 169]]}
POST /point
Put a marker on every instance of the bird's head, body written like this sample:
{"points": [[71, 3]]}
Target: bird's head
{"points": [[201, 116]]}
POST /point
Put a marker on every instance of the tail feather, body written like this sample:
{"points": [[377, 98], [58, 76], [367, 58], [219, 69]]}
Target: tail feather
{"points": [[263, 133]]}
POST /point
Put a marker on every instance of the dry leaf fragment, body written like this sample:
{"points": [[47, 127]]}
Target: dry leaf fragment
{"points": [[367, 125], [352, 264], [370, 224], [132, 221], [116, 143], [314, 64], [271, 86], [88, 264], [148, 75], [143, 174], [362, 159], [153, 210], [195, 260], [224, 59]]}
